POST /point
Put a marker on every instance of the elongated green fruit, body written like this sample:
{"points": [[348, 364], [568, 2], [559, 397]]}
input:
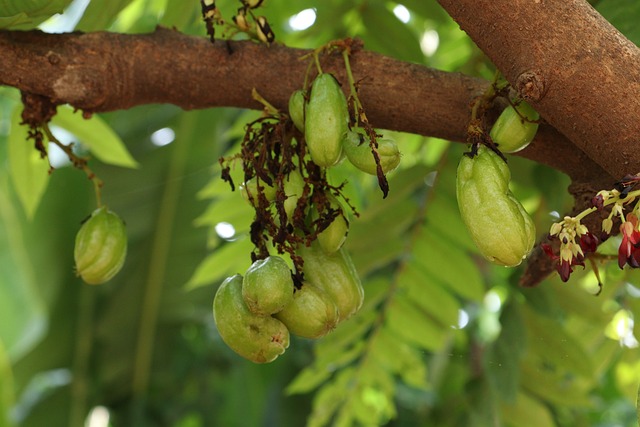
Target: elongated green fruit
{"points": [[499, 225], [311, 314], [101, 247], [511, 132], [326, 119], [293, 189], [267, 286], [333, 237], [359, 153], [257, 338], [249, 191], [335, 274], [296, 109]]}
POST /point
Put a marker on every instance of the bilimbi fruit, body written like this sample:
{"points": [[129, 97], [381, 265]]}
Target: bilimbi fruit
{"points": [[267, 286], [260, 339], [499, 226], [325, 121], [356, 147], [101, 247], [514, 130], [336, 275], [311, 314]]}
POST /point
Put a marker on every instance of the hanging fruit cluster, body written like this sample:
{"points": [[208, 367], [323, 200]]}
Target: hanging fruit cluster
{"points": [[499, 225], [299, 214]]}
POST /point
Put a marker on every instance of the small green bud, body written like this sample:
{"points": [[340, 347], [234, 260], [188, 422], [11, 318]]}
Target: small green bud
{"points": [[513, 133]]}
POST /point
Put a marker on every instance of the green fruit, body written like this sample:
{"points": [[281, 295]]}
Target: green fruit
{"points": [[311, 314], [101, 247], [326, 119], [259, 339], [335, 274], [333, 237], [497, 222], [267, 286], [359, 153], [296, 109], [511, 132], [293, 188], [249, 191]]}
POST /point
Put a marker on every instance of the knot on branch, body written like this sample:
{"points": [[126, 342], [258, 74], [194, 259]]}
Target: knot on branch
{"points": [[531, 85]]}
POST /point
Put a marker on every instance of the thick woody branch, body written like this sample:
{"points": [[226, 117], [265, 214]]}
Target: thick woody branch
{"points": [[574, 67], [99, 72]]}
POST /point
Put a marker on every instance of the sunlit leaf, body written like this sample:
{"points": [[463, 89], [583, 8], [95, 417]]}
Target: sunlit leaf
{"points": [[527, 408], [410, 323], [100, 14], [6, 388]]}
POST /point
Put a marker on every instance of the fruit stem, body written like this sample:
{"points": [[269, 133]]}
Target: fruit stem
{"points": [[78, 162], [269, 108]]}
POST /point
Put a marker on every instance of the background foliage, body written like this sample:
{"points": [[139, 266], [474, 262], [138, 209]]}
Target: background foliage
{"points": [[443, 338]]}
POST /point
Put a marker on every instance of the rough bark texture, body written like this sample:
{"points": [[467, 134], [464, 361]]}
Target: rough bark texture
{"points": [[102, 71], [575, 68], [572, 65]]}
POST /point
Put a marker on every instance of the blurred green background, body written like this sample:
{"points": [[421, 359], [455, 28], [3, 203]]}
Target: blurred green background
{"points": [[444, 339]]}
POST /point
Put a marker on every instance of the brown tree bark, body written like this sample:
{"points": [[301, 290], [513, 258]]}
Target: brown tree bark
{"points": [[99, 72], [559, 55], [574, 67]]}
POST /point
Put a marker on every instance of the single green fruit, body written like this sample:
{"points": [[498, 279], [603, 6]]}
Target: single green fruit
{"points": [[311, 314], [359, 153], [333, 237], [293, 189], [511, 132], [499, 225], [335, 274], [101, 247], [249, 191], [326, 119], [296, 109], [267, 286], [257, 338]]}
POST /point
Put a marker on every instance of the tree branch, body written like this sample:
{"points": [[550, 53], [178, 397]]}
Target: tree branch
{"points": [[574, 67], [101, 71]]}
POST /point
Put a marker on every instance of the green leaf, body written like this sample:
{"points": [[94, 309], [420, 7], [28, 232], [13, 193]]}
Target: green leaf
{"points": [[525, 409], [411, 324], [100, 14], [22, 311], [502, 358], [6, 388], [29, 172], [555, 345], [329, 398], [398, 357], [388, 35], [624, 15], [27, 14], [224, 261], [97, 135]]}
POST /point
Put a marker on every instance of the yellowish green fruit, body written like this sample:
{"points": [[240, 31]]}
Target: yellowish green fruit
{"points": [[249, 191], [512, 131], [267, 286], [333, 237], [293, 189], [499, 226], [336, 275], [356, 147], [257, 338], [326, 119], [296, 109], [311, 314], [101, 247]]}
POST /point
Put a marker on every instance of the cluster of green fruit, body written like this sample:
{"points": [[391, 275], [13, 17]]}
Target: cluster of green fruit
{"points": [[285, 182], [499, 225], [324, 121], [254, 314]]}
